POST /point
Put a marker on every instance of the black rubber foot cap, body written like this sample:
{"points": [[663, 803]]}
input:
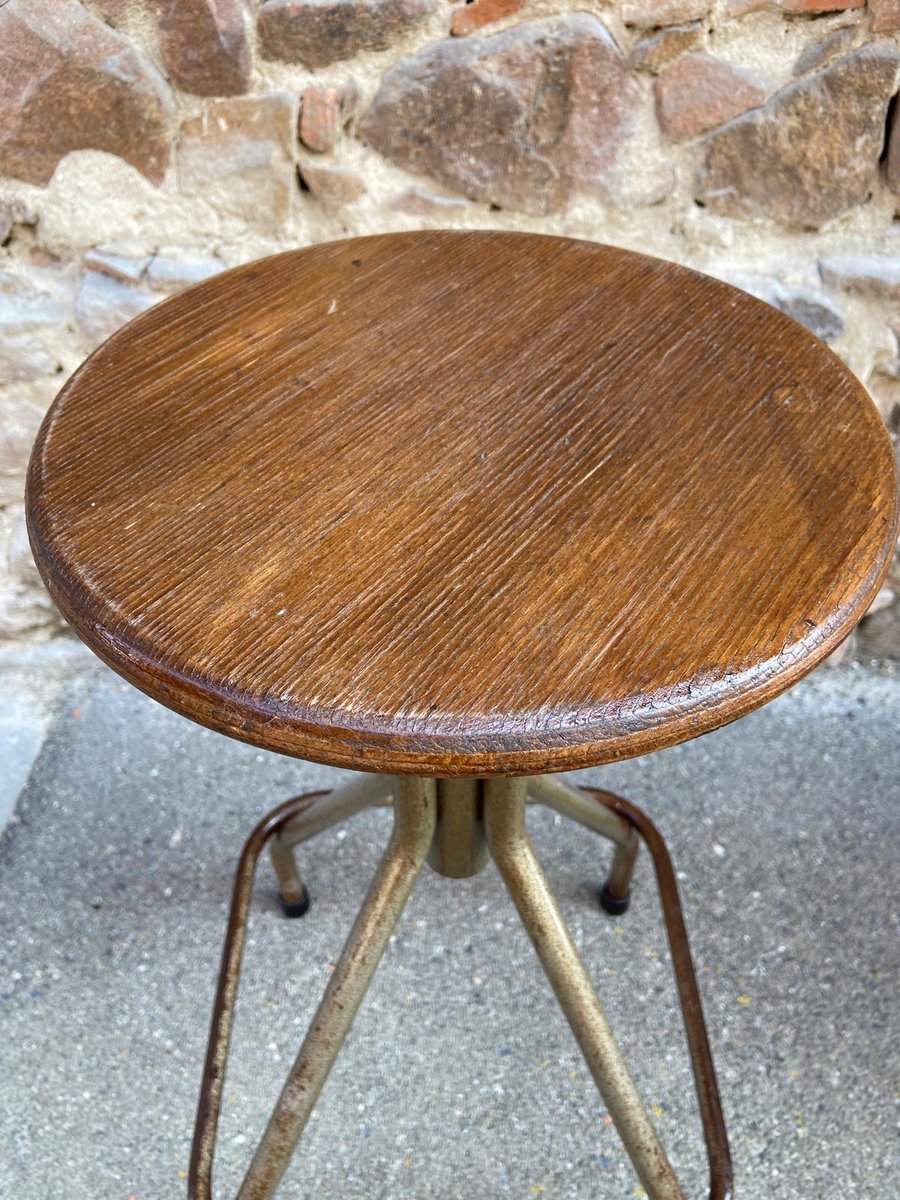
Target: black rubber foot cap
{"points": [[614, 905], [298, 908]]}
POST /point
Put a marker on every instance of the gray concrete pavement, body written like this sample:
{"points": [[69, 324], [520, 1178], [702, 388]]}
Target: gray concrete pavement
{"points": [[31, 678], [460, 1078]]}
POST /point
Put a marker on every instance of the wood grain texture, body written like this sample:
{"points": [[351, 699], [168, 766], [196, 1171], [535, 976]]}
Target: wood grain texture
{"points": [[462, 503]]}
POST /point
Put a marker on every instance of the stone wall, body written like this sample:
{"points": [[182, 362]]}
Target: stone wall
{"points": [[146, 144]]}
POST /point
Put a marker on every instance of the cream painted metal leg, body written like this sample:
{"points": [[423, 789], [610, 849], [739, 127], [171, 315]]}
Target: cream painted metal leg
{"points": [[570, 801], [415, 813], [362, 791], [504, 817]]}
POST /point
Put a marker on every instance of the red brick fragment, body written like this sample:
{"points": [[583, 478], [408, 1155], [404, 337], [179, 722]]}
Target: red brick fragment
{"points": [[479, 13]]}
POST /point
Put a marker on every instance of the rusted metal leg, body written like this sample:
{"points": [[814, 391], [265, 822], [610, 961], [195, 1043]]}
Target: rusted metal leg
{"points": [[714, 1132], [210, 1102], [504, 816], [359, 793], [556, 793], [414, 825]]}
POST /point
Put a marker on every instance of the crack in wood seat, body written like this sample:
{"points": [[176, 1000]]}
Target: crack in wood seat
{"points": [[462, 503]]}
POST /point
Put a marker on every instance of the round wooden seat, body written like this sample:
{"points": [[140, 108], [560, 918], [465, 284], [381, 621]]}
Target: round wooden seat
{"points": [[462, 503]]}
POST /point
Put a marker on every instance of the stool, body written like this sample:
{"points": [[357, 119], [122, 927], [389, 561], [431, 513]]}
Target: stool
{"points": [[461, 511]]}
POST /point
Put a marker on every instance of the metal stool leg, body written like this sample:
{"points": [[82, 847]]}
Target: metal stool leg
{"points": [[714, 1132], [504, 817], [210, 1102], [415, 810], [293, 893], [556, 793], [325, 811]]}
